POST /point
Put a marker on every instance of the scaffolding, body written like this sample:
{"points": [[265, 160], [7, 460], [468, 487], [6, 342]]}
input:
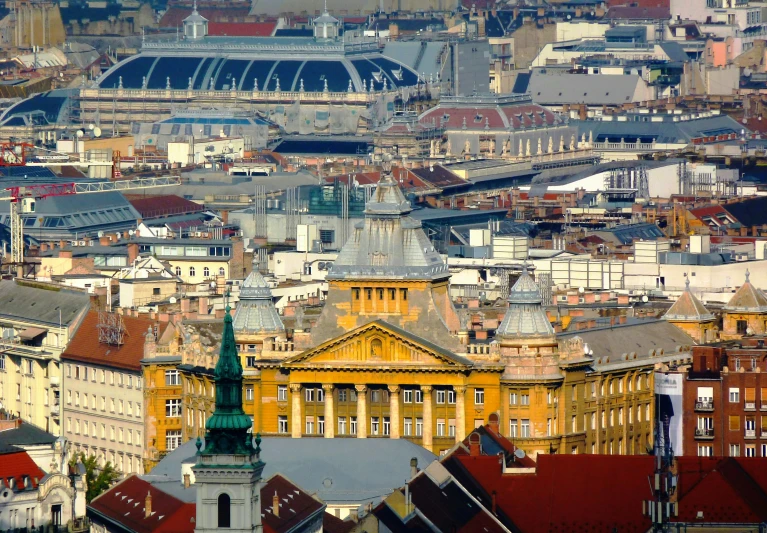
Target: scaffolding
{"points": [[111, 329], [259, 212]]}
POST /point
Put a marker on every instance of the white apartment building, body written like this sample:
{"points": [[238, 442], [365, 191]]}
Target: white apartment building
{"points": [[36, 322], [103, 404]]}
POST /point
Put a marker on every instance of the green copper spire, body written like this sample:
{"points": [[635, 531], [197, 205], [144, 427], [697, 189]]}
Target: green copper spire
{"points": [[228, 428]]}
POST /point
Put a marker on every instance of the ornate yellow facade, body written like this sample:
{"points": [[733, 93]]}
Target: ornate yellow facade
{"points": [[389, 357]]}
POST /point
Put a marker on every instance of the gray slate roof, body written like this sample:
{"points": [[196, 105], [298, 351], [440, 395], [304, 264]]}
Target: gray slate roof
{"points": [[41, 305], [388, 243], [688, 308], [563, 88], [337, 470], [747, 298], [255, 311], [26, 435], [525, 317]]}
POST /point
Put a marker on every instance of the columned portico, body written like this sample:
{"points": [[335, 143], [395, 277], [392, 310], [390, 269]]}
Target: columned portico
{"points": [[362, 411], [428, 431], [460, 413], [329, 411], [394, 411], [295, 413]]}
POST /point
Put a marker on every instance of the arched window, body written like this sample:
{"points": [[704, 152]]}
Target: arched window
{"points": [[191, 271], [206, 272], [224, 517], [178, 271], [221, 271]]}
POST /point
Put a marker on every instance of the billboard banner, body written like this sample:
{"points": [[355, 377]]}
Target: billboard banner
{"points": [[668, 409]]}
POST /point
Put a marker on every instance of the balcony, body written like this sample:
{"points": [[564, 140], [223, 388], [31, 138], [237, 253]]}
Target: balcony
{"points": [[55, 381], [704, 433], [55, 411], [749, 406], [750, 434], [704, 405]]}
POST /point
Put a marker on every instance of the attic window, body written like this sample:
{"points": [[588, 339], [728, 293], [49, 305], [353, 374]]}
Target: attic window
{"points": [[539, 93], [477, 118]]}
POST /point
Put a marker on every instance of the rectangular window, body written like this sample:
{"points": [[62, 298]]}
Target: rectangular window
{"points": [[441, 396], [525, 428], [734, 450], [513, 398], [386, 425], [342, 425], [342, 395], [750, 450], [353, 425], [282, 424], [172, 439], [173, 408], [705, 450], [513, 425], [593, 389], [419, 427], [375, 425], [574, 424], [249, 393], [734, 422], [549, 397], [451, 427], [309, 425], [525, 398], [250, 361], [440, 427], [479, 396], [321, 425], [418, 396], [548, 427], [282, 393], [451, 396], [574, 396], [407, 395], [408, 427], [593, 421], [734, 395], [309, 395]]}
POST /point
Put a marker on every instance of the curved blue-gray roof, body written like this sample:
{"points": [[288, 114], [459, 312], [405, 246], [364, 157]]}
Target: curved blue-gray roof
{"points": [[41, 108], [204, 71]]}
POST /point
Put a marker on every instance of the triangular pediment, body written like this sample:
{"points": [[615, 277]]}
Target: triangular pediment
{"points": [[378, 344]]}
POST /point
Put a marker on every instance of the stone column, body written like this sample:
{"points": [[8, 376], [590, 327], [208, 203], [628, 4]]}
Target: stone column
{"points": [[394, 411], [362, 411], [460, 412], [428, 430], [295, 413], [329, 411]]}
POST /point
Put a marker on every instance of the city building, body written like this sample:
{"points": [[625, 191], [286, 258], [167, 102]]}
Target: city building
{"points": [[745, 313], [103, 405], [37, 325], [725, 400], [692, 317]]}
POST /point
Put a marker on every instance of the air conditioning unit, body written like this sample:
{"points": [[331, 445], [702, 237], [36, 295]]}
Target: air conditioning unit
{"points": [[488, 285]]}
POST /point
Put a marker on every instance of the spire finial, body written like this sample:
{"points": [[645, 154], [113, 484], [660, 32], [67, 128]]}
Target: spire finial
{"points": [[686, 283], [195, 6], [326, 6], [748, 275]]}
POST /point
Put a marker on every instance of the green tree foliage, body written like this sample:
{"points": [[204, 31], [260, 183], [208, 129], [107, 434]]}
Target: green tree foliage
{"points": [[97, 479]]}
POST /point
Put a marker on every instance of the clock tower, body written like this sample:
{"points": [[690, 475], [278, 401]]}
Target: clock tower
{"points": [[228, 469]]}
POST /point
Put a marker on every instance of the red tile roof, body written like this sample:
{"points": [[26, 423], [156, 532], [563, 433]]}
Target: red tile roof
{"points": [[174, 16], [17, 465], [163, 205], [639, 3], [85, 346], [508, 117], [331, 524], [296, 506], [125, 504], [241, 29]]}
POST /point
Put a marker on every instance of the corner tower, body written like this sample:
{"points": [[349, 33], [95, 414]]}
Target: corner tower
{"points": [[692, 317], [745, 313], [389, 270], [229, 468]]}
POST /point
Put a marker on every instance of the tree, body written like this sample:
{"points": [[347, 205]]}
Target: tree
{"points": [[97, 479]]}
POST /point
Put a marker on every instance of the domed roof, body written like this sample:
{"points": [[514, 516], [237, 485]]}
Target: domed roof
{"points": [[525, 317], [747, 299], [688, 308], [255, 311]]}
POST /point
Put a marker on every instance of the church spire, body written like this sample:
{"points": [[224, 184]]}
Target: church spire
{"points": [[228, 429]]}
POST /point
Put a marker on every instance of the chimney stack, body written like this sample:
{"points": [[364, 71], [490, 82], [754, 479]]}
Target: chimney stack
{"points": [[148, 505], [276, 505], [413, 467], [186, 481]]}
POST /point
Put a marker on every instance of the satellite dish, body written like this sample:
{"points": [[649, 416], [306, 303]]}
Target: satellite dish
{"points": [[132, 232], [581, 290], [97, 132], [91, 126], [519, 453], [101, 234], [212, 284], [645, 298], [80, 133], [172, 299]]}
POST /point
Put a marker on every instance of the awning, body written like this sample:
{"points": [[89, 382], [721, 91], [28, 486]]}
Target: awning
{"points": [[31, 333]]}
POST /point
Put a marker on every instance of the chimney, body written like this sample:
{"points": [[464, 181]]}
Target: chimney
{"points": [[132, 252], [474, 445], [148, 505], [413, 467], [276, 505], [493, 505], [186, 481], [104, 241]]}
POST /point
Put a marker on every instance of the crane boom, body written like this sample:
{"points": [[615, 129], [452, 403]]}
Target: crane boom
{"points": [[23, 198]]}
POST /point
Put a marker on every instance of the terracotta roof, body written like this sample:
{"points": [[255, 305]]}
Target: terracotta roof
{"points": [[85, 346], [747, 298], [331, 524], [296, 506], [163, 205], [241, 29], [506, 118], [174, 16], [17, 465], [124, 504], [688, 307]]}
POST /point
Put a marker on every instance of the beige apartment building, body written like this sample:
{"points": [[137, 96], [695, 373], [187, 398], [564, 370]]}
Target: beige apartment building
{"points": [[102, 396], [36, 322]]}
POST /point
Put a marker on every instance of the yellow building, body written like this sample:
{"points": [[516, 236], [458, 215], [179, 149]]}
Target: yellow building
{"points": [[745, 313], [692, 317], [389, 357]]}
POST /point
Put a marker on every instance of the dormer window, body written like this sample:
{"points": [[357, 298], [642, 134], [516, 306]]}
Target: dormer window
{"points": [[477, 118]]}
